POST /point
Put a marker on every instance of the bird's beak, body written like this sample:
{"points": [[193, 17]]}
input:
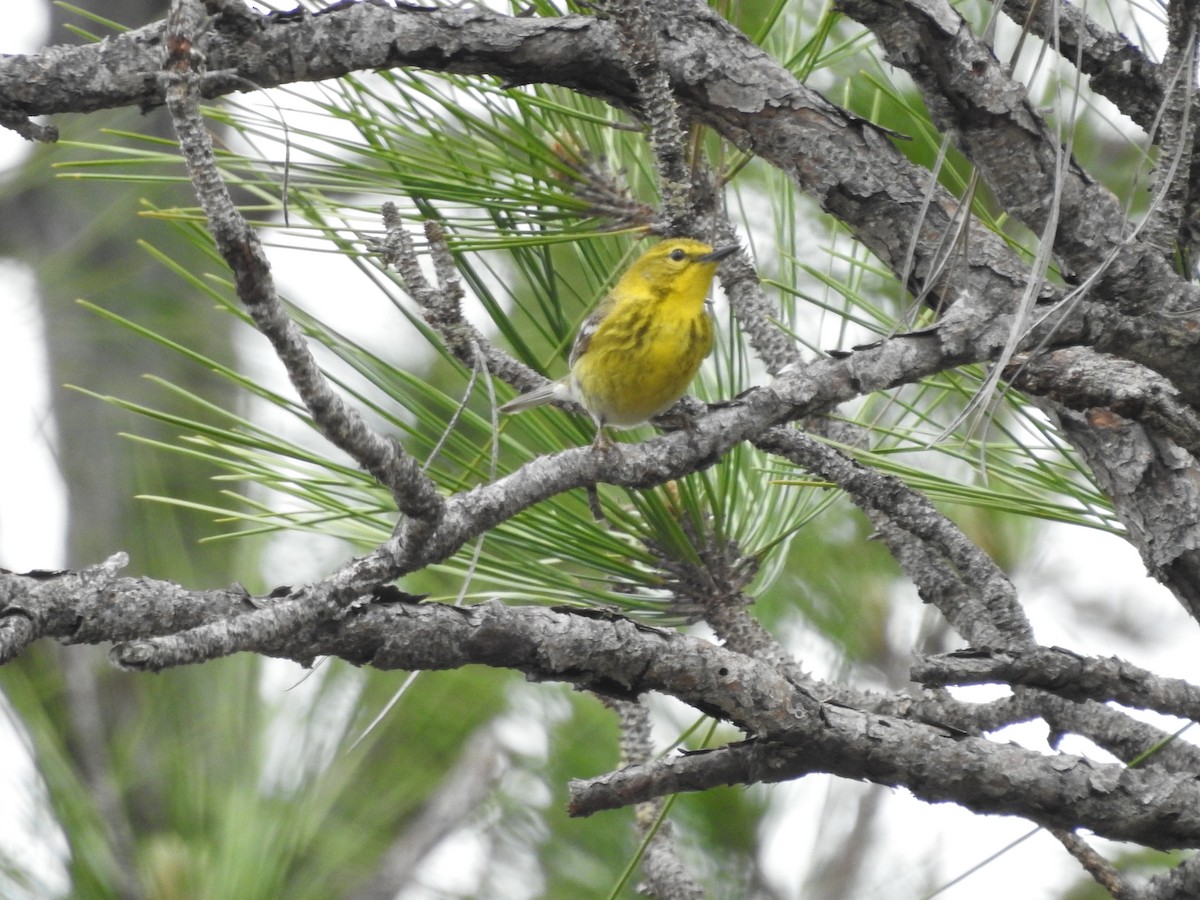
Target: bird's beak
{"points": [[719, 254]]}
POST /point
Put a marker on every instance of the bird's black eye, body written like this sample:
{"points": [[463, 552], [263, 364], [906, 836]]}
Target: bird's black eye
{"points": [[678, 255]]}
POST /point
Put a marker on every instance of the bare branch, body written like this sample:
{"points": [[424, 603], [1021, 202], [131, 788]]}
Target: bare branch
{"points": [[24, 619], [971, 590], [1066, 674], [657, 103], [1116, 67], [414, 493], [615, 655], [1095, 865], [884, 752], [442, 305], [666, 877]]}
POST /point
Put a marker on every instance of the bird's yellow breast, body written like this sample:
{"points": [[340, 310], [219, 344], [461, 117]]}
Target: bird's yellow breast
{"points": [[645, 352]]}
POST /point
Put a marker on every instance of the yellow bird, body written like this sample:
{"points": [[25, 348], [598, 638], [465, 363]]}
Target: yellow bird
{"points": [[638, 351]]}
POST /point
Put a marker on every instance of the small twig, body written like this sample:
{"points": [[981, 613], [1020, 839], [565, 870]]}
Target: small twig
{"points": [[1096, 866], [633, 23], [441, 305], [666, 877], [16, 121]]}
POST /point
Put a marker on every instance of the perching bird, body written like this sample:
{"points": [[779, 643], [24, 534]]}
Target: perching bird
{"points": [[642, 345]]}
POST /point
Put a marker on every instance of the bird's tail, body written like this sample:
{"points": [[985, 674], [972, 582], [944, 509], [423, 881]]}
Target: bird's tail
{"points": [[552, 390]]}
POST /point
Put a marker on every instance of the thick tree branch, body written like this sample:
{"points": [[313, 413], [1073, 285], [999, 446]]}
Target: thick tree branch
{"points": [[1151, 478], [1117, 69], [1154, 488], [1081, 379], [617, 656], [991, 777], [971, 96], [40, 604]]}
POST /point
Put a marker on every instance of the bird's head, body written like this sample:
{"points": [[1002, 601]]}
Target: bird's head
{"points": [[678, 266]]}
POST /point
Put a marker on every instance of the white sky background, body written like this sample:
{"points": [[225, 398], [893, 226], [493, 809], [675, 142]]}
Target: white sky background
{"points": [[32, 516], [1069, 561], [32, 500]]}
